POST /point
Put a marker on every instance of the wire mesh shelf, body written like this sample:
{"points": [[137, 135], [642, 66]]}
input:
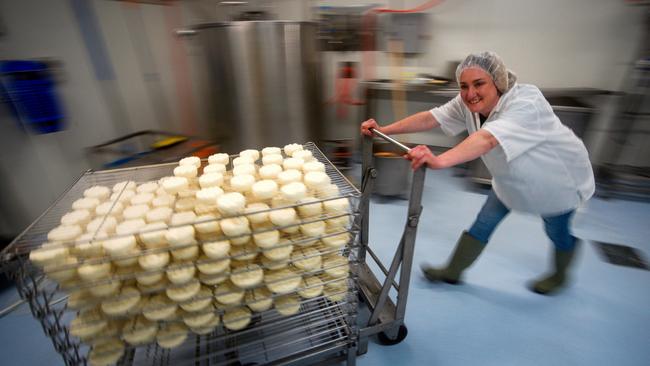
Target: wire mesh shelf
{"points": [[324, 324]]}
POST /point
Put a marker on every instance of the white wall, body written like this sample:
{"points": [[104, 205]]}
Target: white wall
{"points": [[36, 169], [579, 43], [553, 43]]}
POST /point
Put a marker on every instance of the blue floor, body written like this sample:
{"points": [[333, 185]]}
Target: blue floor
{"points": [[602, 318]]}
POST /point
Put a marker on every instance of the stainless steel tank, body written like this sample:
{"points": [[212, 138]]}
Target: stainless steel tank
{"points": [[393, 171], [265, 83]]}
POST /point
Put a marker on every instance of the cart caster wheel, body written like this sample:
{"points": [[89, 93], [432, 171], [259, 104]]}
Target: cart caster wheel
{"points": [[401, 334]]}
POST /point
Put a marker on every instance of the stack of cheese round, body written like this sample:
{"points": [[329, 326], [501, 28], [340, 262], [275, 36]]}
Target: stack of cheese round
{"points": [[154, 254]]}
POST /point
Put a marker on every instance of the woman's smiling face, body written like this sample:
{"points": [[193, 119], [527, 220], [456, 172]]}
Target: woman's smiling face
{"points": [[478, 91]]}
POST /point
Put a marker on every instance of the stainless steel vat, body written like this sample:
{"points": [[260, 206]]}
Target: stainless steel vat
{"points": [[265, 83], [393, 171]]}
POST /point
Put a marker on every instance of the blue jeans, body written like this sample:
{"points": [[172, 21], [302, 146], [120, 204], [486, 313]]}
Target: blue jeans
{"points": [[493, 211]]}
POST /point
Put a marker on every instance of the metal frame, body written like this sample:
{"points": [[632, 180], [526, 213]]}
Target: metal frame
{"points": [[386, 317], [322, 331], [48, 303]]}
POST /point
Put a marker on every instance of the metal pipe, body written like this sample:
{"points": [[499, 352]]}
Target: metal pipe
{"points": [[11, 308], [367, 182], [391, 140], [381, 266], [410, 231], [185, 32]]}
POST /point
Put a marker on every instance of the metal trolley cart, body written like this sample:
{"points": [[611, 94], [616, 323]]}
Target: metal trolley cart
{"points": [[386, 318], [324, 329]]}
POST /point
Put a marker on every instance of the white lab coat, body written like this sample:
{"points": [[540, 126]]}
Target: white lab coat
{"points": [[539, 166]]}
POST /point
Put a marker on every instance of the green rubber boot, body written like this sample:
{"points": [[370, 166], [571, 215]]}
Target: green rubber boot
{"points": [[467, 250], [557, 279]]}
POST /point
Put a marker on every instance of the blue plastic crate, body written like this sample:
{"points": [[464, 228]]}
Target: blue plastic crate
{"points": [[30, 89]]}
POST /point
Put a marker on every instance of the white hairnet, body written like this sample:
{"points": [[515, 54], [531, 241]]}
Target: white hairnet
{"points": [[492, 64]]}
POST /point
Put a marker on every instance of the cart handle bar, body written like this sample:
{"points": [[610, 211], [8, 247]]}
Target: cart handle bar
{"points": [[390, 139]]}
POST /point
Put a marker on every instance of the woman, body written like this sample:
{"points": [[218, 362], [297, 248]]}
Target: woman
{"points": [[537, 164]]}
